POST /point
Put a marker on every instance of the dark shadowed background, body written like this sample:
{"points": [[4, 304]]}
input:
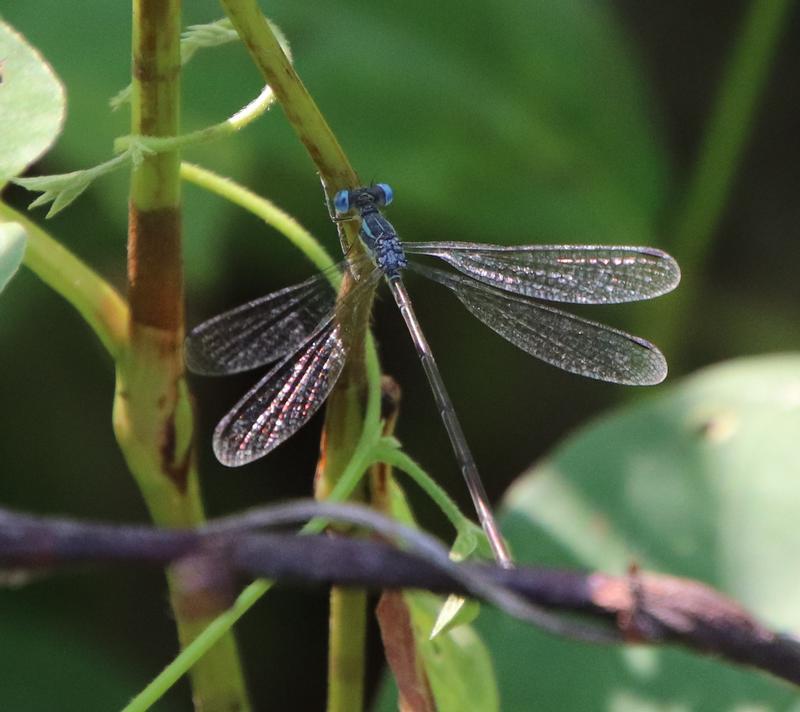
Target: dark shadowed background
{"points": [[508, 122]]}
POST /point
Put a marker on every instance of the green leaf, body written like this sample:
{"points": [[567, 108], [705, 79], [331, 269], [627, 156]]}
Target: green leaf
{"points": [[63, 188], [12, 250], [455, 611], [458, 610], [32, 104], [457, 663], [703, 482]]}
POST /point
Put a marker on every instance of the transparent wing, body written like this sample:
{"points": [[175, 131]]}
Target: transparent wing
{"points": [[284, 400], [576, 274], [261, 331], [556, 337]]}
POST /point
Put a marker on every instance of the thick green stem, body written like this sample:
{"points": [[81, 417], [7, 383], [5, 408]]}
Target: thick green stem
{"points": [[221, 625], [348, 634], [720, 155], [95, 300], [345, 408], [346, 454], [152, 414]]}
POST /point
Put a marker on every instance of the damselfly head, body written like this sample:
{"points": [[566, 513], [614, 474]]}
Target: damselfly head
{"points": [[379, 195]]}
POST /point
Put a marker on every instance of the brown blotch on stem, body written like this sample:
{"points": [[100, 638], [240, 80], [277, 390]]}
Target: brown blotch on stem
{"points": [[177, 471], [155, 284]]}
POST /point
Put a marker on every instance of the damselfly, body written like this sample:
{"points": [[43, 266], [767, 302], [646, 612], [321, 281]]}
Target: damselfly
{"points": [[302, 327]]}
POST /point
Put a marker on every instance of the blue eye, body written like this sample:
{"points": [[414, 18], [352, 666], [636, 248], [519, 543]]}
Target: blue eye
{"points": [[388, 193], [341, 201]]}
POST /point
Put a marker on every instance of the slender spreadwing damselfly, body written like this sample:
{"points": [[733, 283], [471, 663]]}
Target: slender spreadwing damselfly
{"points": [[302, 328]]}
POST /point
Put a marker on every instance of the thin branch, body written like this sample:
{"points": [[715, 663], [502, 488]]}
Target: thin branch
{"points": [[259, 206], [641, 607]]}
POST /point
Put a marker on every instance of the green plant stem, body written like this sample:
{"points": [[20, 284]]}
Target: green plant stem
{"points": [[346, 649], [222, 624], [152, 413], [720, 155], [347, 617], [101, 306], [343, 415], [159, 144], [299, 107], [264, 209], [386, 451], [347, 607]]}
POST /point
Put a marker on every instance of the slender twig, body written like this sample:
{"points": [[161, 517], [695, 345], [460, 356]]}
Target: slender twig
{"points": [[64, 188], [300, 109], [642, 607], [403, 655], [270, 213], [390, 454], [223, 129]]}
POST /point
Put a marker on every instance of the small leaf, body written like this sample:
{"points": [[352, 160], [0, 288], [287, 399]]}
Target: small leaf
{"points": [[12, 250], [32, 107], [63, 188], [60, 190], [457, 663], [212, 34], [65, 197], [456, 611], [54, 183]]}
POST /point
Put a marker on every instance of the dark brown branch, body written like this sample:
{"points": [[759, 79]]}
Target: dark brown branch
{"points": [[643, 607]]}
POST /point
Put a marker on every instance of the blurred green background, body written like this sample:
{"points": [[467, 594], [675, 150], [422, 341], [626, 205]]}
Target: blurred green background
{"points": [[509, 122]]}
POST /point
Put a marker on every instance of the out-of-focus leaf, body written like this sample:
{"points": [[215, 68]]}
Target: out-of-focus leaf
{"points": [[702, 481], [32, 104], [457, 663], [458, 667], [12, 250]]}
